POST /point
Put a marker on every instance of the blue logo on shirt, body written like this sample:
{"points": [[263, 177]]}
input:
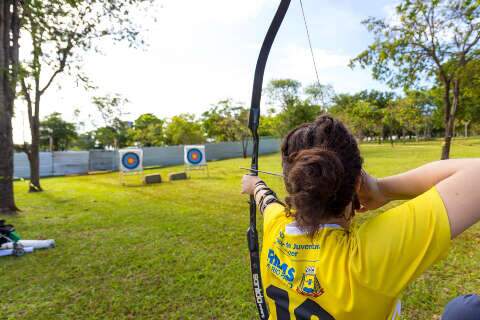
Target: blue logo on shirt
{"points": [[280, 269]]}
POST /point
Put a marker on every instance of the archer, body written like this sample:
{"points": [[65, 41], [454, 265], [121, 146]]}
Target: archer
{"points": [[316, 261]]}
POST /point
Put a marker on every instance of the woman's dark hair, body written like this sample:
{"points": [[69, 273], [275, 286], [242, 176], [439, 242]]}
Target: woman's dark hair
{"points": [[321, 165]]}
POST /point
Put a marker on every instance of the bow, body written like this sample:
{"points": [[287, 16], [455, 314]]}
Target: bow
{"points": [[253, 123]]}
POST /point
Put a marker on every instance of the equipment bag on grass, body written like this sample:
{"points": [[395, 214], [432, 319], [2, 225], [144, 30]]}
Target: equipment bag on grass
{"points": [[8, 233]]}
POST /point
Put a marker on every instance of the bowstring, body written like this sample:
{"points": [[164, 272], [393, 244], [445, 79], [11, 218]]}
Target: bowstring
{"points": [[310, 44]]}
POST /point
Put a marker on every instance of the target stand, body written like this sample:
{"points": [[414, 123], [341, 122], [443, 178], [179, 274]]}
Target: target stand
{"points": [[131, 164], [195, 159]]}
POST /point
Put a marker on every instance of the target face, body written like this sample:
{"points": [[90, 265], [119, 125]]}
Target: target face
{"points": [[194, 156], [131, 160]]}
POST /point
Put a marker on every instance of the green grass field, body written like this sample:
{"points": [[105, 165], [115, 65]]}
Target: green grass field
{"points": [[178, 250]]}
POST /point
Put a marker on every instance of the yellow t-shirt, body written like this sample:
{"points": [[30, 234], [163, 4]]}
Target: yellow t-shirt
{"points": [[356, 275]]}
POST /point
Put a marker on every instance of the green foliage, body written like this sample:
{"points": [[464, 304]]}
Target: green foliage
{"points": [[85, 141], [147, 131], [320, 94], [62, 133], [184, 129], [148, 252], [296, 113], [226, 121], [420, 39], [368, 113], [114, 136], [293, 110], [283, 91], [422, 42], [470, 95], [269, 124], [61, 30]]}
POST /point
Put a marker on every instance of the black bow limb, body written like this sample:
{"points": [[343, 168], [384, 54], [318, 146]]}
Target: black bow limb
{"points": [[253, 123]]}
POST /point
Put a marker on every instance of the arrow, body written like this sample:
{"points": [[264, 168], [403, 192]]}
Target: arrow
{"points": [[260, 171]]}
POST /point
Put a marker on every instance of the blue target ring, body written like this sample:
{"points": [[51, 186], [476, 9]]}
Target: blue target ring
{"points": [[131, 161], [194, 156]]}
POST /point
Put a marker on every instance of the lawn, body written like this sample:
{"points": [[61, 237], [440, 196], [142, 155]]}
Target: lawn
{"points": [[178, 250]]}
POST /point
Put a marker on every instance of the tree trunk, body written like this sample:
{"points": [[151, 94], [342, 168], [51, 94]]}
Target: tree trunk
{"points": [[9, 34], [466, 123], [33, 154], [450, 120]]}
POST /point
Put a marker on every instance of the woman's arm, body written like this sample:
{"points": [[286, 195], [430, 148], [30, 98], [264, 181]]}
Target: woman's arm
{"points": [[264, 196], [457, 181]]}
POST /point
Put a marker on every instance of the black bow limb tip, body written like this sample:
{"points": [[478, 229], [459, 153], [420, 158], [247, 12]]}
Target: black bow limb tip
{"points": [[253, 123]]}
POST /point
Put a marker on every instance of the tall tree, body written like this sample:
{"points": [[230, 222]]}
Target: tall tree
{"points": [[424, 41], [85, 141], [227, 121], [59, 132], [413, 113], [320, 94], [148, 131], [293, 110], [59, 32], [184, 129], [283, 91], [113, 136], [470, 97], [9, 48]]}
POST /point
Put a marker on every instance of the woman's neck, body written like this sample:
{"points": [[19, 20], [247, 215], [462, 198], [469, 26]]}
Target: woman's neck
{"points": [[344, 221]]}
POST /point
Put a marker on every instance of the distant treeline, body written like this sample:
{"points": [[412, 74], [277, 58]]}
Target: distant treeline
{"points": [[371, 115]]}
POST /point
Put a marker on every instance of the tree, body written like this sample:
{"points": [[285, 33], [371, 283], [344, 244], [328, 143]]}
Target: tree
{"points": [[226, 121], [426, 40], [110, 107], [295, 114], [413, 112], [184, 129], [470, 96], [58, 32], [293, 110], [85, 141], [9, 48], [370, 113], [148, 131], [366, 119], [320, 94], [283, 91], [61, 132], [113, 136], [269, 125]]}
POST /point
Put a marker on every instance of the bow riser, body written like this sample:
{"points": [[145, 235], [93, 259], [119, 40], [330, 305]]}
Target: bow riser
{"points": [[253, 123]]}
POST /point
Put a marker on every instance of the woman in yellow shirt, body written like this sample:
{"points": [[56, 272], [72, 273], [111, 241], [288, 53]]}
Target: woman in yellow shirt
{"points": [[316, 262]]}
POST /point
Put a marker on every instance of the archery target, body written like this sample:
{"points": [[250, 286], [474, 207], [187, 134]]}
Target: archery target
{"points": [[131, 160], [195, 155]]}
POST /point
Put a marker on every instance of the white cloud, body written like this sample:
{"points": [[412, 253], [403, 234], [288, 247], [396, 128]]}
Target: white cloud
{"points": [[195, 12], [203, 51], [296, 62]]}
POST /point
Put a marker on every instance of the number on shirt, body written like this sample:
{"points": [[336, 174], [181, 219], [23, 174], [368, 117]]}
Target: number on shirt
{"points": [[304, 311]]}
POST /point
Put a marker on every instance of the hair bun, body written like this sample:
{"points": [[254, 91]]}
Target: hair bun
{"points": [[314, 178]]}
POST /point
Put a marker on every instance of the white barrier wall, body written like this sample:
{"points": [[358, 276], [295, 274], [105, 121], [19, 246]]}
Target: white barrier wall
{"points": [[81, 162], [22, 168]]}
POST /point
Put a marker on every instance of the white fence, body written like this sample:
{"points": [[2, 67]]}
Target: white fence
{"points": [[82, 162]]}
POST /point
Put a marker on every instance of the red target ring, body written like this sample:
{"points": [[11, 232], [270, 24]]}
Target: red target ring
{"points": [[194, 156]]}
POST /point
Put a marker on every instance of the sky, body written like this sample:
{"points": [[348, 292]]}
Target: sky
{"points": [[201, 52]]}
